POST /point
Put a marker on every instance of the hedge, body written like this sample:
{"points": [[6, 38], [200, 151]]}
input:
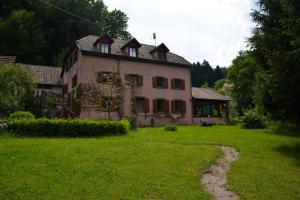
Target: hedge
{"points": [[68, 127], [21, 115]]}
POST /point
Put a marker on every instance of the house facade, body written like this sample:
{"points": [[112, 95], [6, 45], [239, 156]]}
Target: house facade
{"points": [[111, 78]]}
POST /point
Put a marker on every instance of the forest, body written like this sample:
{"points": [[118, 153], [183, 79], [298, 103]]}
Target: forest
{"points": [[41, 32]]}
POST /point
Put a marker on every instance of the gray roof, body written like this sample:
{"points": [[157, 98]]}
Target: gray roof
{"points": [[7, 59], [208, 94], [44, 74], [86, 44]]}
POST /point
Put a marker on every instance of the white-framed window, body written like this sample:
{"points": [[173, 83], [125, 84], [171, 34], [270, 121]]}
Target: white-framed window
{"points": [[178, 106], [160, 82], [139, 104], [178, 84], [104, 47], [133, 52], [160, 105], [133, 79]]}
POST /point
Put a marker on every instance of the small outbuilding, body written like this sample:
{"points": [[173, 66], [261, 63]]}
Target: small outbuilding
{"points": [[209, 106]]}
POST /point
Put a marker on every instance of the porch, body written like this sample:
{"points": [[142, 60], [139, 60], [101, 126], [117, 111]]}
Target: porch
{"points": [[209, 106]]}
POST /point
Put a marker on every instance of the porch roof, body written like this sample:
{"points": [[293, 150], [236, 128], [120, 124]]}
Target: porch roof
{"points": [[208, 94]]}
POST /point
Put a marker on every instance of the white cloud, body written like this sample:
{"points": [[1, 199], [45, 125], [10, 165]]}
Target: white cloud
{"points": [[214, 30]]}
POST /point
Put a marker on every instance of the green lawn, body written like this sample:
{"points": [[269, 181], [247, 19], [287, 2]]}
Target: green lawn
{"points": [[148, 164]]}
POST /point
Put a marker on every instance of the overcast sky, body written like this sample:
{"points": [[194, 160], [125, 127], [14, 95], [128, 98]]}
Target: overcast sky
{"points": [[214, 30]]}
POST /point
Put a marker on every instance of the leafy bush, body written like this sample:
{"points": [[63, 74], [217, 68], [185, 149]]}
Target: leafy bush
{"points": [[68, 127], [21, 115], [14, 81], [170, 128], [252, 120], [283, 126], [133, 123]]}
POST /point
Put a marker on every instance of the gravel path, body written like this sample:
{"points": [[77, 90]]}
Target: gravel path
{"points": [[215, 177]]}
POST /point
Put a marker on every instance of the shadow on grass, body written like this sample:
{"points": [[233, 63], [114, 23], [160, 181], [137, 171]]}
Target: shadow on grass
{"points": [[294, 133], [290, 151]]}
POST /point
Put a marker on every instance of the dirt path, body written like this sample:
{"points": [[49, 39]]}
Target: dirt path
{"points": [[215, 177]]}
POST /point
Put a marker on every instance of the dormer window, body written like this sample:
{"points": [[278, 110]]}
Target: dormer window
{"points": [[161, 55], [103, 44], [104, 47], [160, 52], [131, 48], [133, 52]]}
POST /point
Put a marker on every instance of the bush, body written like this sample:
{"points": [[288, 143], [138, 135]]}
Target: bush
{"points": [[133, 123], [21, 115], [252, 120], [170, 128], [68, 127], [283, 126]]}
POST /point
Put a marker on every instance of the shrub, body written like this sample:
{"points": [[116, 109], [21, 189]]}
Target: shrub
{"points": [[133, 123], [252, 120], [172, 128], [21, 115], [68, 127], [283, 126]]}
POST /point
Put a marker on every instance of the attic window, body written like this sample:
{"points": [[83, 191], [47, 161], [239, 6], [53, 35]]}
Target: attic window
{"points": [[133, 52], [104, 47], [161, 55]]}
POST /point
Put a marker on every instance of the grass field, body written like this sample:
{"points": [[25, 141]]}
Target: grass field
{"points": [[148, 164]]}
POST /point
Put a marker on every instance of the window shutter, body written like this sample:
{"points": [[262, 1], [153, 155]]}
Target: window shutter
{"points": [[146, 105], [140, 80], [99, 77], [172, 83], [183, 107], [166, 107], [127, 79], [154, 82], [65, 90], [74, 81], [154, 106], [173, 106], [183, 84], [165, 83]]}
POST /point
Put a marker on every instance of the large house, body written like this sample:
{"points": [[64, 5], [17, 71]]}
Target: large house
{"points": [[112, 78]]}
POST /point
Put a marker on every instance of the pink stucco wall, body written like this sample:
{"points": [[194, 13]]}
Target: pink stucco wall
{"points": [[87, 67]]}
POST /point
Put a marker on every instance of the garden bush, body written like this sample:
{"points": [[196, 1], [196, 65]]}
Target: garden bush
{"points": [[133, 123], [21, 115], [252, 120], [170, 128], [68, 127], [283, 126]]}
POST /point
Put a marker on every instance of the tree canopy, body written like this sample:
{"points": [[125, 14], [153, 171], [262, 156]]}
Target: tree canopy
{"points": [[276, 46], [40, 32], [242, 74], [14, 83], [202, 73]]}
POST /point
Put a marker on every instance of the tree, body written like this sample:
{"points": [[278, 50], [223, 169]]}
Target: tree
{"points": [[276, 46], [204, 73], [22, 36], [14, 81], [242, 74], [58, 28]]}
